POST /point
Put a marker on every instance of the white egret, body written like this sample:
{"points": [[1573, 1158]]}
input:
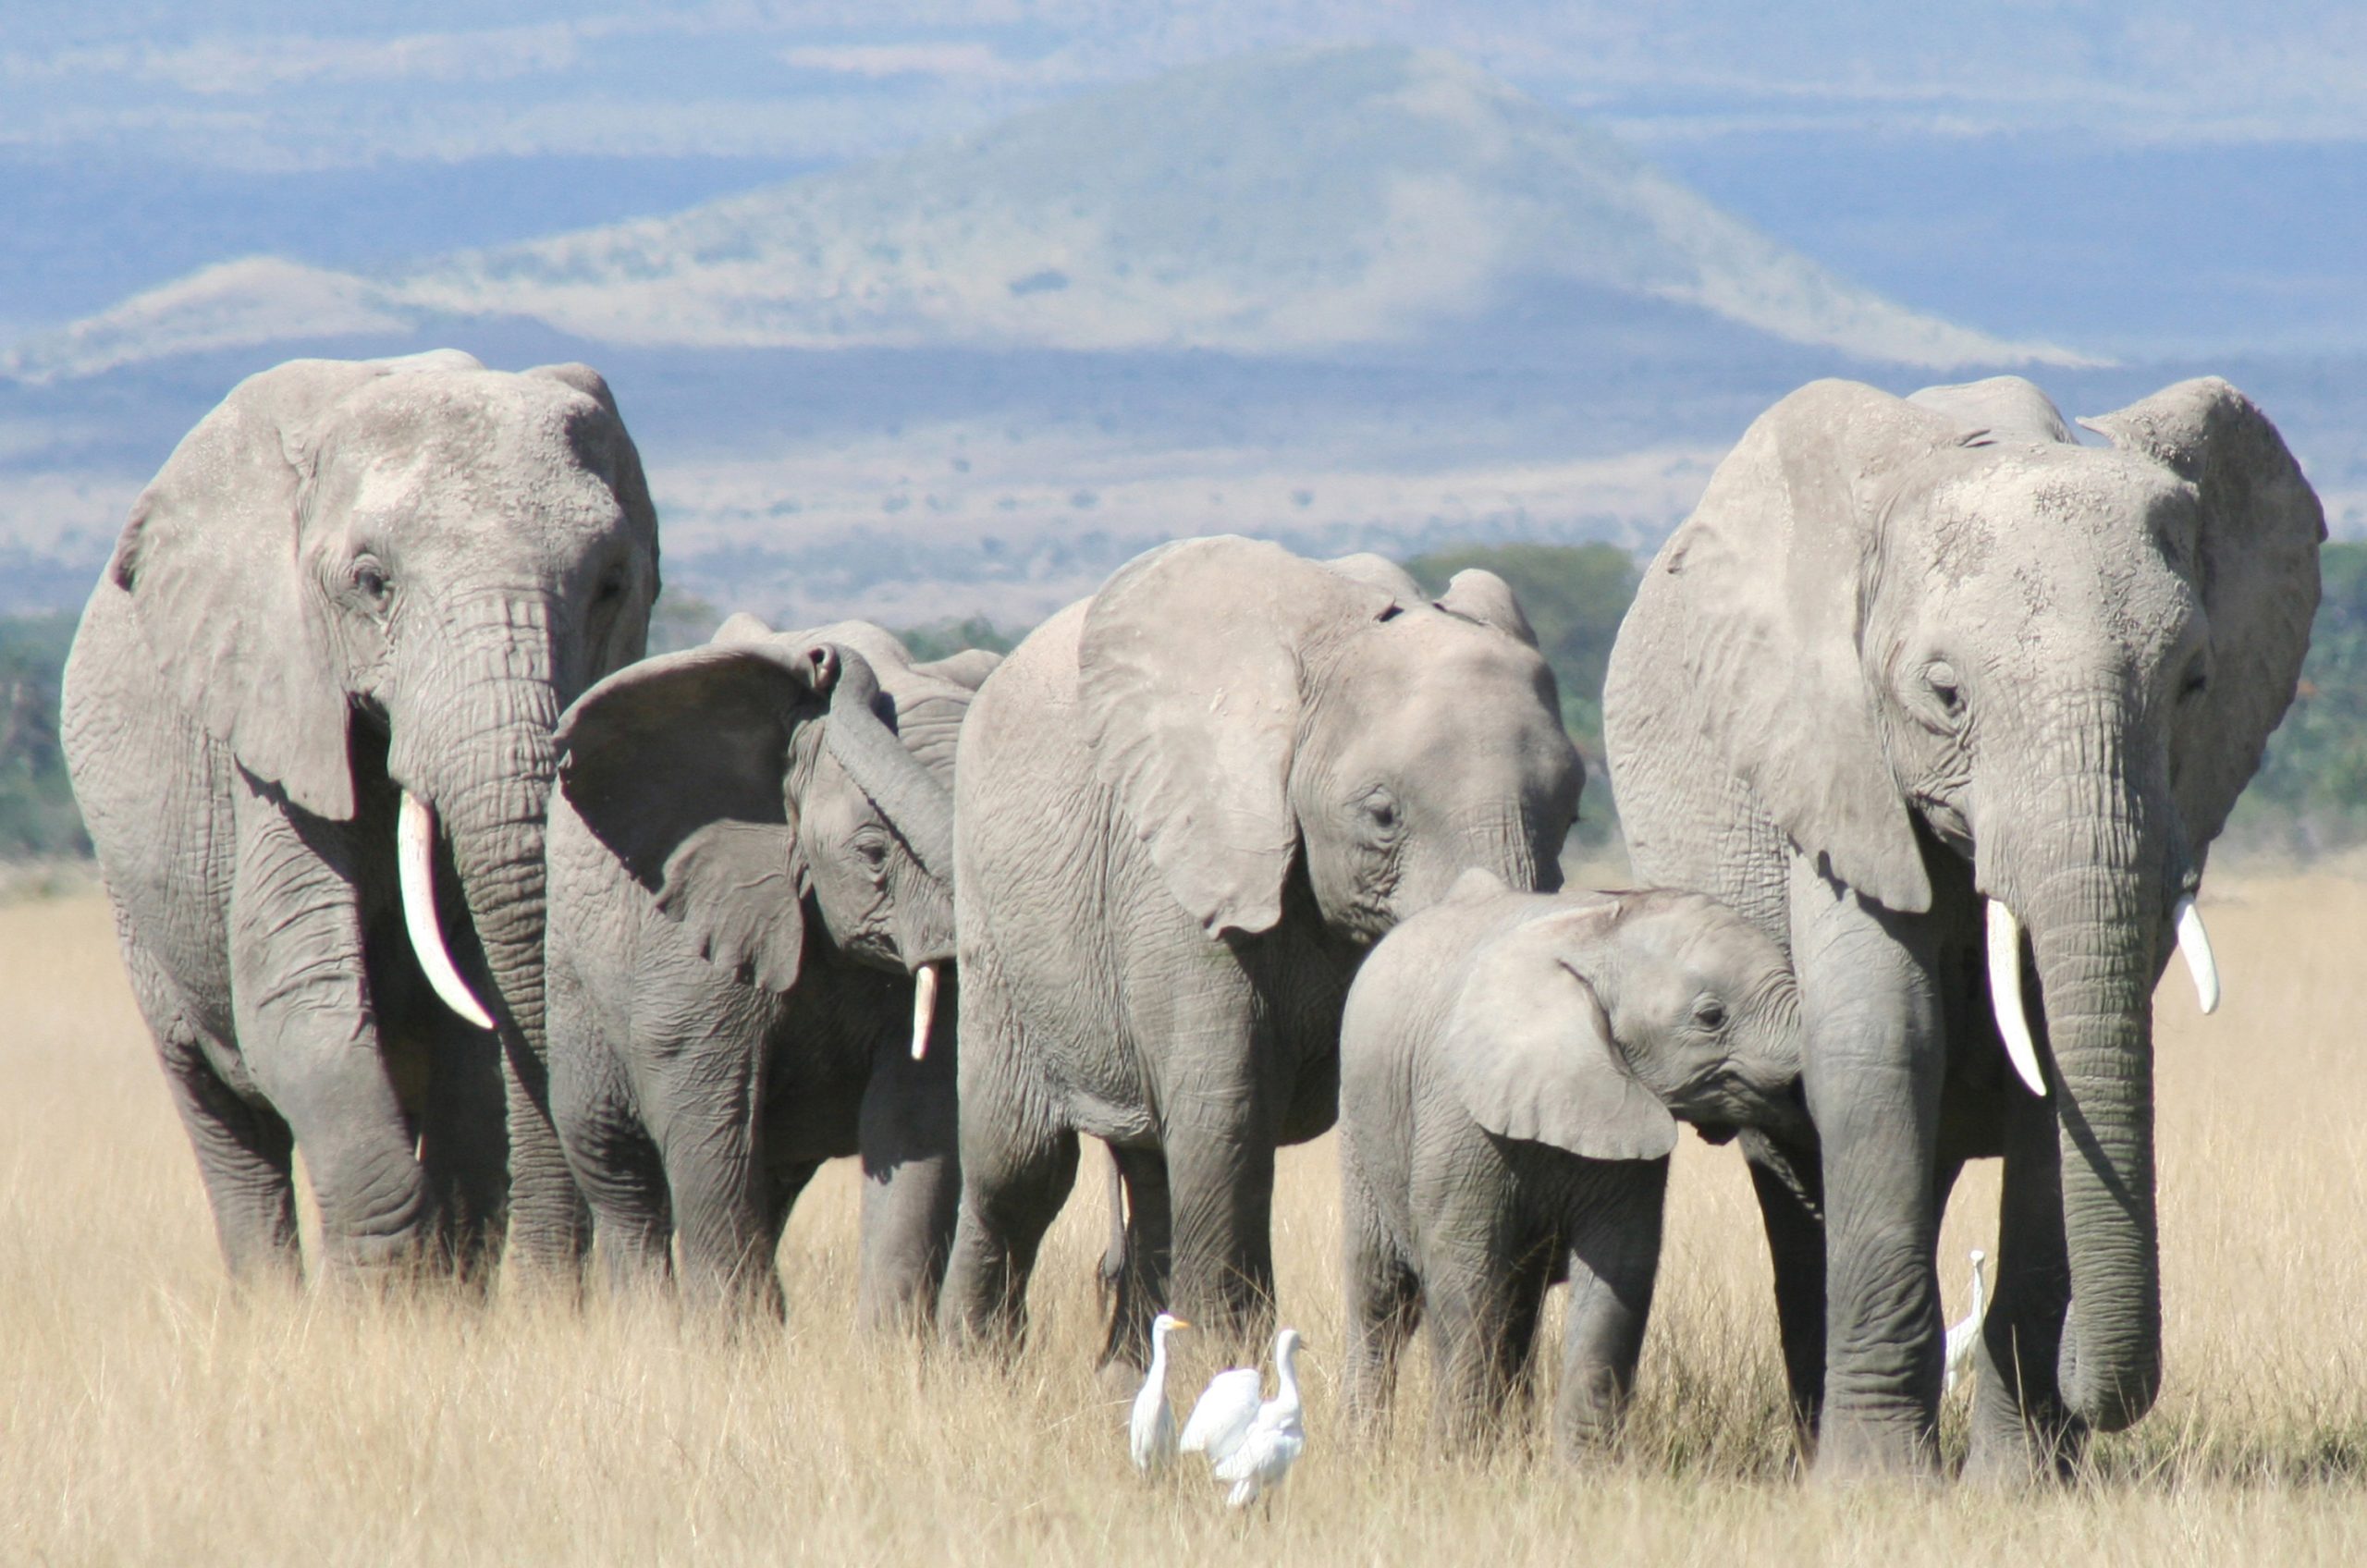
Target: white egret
{"points": [[1221, 1418], [1150, 1431], [1276, 1436], [1965, 1333]]}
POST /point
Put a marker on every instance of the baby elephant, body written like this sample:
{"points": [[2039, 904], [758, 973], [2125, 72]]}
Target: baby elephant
{"points": [[1511, 1069]]}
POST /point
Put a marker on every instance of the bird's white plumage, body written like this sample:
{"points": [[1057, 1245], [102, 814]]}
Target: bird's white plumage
{"points": [[1963, 1335], [1150, 1430], [1221, 1418], [1272, 1439]]}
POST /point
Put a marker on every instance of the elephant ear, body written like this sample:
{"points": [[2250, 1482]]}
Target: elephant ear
{"points": [[968, 668], [1476, 593], [2001, 408], [1774, 562], [1530, 1054], [210, 560], [2257, 571], [1381, 572], [1188, 681], [678, 764]]}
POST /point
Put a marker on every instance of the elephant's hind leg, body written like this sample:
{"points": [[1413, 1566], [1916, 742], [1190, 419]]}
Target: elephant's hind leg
{"points": [[244, 1154], [1142, 1282]]}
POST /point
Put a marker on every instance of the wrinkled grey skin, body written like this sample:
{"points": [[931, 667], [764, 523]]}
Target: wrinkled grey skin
{"points": [[354, 577], [1186, 808], [1512, 1069], [1906, 655], [739, 898]]}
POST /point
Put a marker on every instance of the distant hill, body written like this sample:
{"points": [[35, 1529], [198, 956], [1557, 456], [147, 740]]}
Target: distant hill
{"points": [[1276, 204]]}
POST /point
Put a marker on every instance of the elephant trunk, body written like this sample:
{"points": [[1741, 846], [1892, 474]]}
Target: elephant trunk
{"points": [[2094, 913], [916, 806]]}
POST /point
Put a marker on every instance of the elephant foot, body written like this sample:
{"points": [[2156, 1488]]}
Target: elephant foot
{"points": [[1853, 1450]]}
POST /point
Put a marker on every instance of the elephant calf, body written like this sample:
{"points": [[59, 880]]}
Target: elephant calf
{"points": [[1511, 1069], [750, 905]]}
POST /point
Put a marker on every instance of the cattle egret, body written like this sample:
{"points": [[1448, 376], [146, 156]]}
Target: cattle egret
{"points": [[1151, 1432], [1965, 1333], [1275, 1437], [1221, 1418]]}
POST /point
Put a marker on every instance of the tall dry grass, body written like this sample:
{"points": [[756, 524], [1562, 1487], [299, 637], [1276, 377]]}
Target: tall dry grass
{"points": [[148, 1414]]}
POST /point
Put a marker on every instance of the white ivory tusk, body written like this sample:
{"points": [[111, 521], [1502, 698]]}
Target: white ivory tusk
{"points": [[415, 860], [924, 1007], [2006, 994], [2194, 946]]}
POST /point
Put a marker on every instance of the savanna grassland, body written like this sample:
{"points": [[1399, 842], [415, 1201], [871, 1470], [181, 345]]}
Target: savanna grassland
{"points": [[148, 1413]]}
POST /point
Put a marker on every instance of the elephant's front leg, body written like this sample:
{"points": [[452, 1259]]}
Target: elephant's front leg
{"points": [[1615, 1262], [1220, 1197], [1875, 1061], [911, 1188], [309, 1033]]}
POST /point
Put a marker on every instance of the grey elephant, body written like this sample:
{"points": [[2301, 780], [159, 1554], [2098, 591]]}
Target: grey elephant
{"points": [[1512, 1069], [749, 864], [1933, 692], [1187, 807], [309, 715]]}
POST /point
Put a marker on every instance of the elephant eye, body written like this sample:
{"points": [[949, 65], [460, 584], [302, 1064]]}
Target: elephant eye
{"points": [[1940, 676], [872, 849], [2198, 679], [1381, 809], [1709, 1013], [370, 579], [612, 588]]}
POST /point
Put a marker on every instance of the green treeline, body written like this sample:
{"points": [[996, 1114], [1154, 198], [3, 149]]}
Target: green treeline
{"points": [[2311, 794]]}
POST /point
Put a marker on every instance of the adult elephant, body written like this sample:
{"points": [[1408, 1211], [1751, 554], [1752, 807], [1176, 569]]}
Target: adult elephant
{"points": [[347, 614], [1933, 690], [751, 855], [1186, 807]]}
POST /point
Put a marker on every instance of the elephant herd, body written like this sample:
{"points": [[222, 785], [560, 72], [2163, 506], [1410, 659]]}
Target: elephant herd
{"points": [[524, 940]]}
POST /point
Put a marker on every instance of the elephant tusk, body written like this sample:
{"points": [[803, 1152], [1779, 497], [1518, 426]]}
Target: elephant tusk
{"points": [[924, 1007], [2005, 995], [2194, 946], [414, 856]]}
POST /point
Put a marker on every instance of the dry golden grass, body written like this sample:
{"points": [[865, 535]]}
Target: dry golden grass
{"points": [[149, 1415]]}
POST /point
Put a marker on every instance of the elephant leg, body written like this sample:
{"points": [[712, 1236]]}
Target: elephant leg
{"points": [[1145, 1258], [244, 1150], [1615, 1262], [1018, 1163], [1474, 1306], [463, 1143], [1796, 1251], [550, 1223], [1873, 1070], [244, 1156], [1013, 1184], [1220, 1185], [908, 1130], [2021, 1427], [1384, 1306], [614, 1161], [307, 1031], [706, 1109]]}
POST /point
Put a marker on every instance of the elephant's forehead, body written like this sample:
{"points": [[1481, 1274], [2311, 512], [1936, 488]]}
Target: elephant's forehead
{"points": [[510, 459]]}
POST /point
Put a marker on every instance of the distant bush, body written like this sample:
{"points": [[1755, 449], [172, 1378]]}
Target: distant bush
{"points": [[2311, 793], [38, 819], [943, 639]]}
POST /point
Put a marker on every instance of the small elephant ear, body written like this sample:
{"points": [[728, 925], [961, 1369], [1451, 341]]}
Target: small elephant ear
{"points": [[212, 564], [1476, 594], [2000, 408], [1381, 572], [2258, 542], [678, 764], [967, 668], [741, 627], [1530, 1054], [1774, 563], [1188, 681]]}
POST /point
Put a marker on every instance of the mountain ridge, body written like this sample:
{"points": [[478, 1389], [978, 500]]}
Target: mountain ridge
{"points": [[1286, 204]]}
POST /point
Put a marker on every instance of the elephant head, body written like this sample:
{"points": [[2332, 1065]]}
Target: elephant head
{"points": [[734, 779], [358, 573], [1256, 713], [1596, 1025], [1940, 624]]}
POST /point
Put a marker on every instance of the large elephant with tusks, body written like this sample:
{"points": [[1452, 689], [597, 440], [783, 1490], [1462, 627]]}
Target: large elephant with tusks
{"points": [[309, 717]]}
